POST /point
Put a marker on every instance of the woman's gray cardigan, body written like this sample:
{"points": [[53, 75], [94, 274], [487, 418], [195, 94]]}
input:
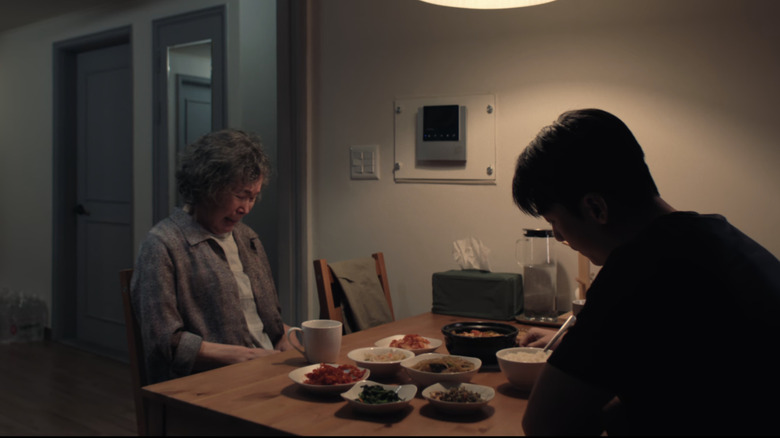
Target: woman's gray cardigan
{"points": [[183, 293]]}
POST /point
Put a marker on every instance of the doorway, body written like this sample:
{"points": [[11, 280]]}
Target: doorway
{"points": [[188, 45], [92, 202], [193, 114]]}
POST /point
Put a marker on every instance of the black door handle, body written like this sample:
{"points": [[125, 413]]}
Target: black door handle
{"points": [[80, 210]]}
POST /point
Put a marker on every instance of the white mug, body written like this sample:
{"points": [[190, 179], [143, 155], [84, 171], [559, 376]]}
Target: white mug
{"points": [[321, 340]]}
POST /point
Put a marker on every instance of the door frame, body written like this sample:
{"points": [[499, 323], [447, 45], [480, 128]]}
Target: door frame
{"points": [[64, 181], [293, 23], [204, 24]]}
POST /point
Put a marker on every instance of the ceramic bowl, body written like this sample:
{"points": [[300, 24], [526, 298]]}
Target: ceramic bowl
{"points": [[405, 392], [485, 393], [522, 365], [471, 339], [382, 361], [427, 378], [298, 376]]}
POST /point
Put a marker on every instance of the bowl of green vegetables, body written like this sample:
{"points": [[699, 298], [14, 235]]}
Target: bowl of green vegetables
{"points": [[377, 398]]}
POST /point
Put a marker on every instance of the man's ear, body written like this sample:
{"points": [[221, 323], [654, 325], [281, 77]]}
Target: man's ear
{"points": [[594, 207]]}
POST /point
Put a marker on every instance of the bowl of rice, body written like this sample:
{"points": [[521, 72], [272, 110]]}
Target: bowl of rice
{"points": [[576, 306], [522, 365], [382, 361]]}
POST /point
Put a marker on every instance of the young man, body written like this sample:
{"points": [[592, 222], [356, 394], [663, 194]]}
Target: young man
{"points": [[680, 326]]}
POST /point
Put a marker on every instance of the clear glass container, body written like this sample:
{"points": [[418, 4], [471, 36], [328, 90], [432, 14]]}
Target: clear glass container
{"points": [[535, 253]]}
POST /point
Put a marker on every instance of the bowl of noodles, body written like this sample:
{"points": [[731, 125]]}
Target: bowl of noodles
{"points": [[429, 368], [479, 339]]}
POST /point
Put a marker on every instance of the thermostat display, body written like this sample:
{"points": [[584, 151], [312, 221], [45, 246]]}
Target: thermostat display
{"points": [[441, 123], [441, 133]]}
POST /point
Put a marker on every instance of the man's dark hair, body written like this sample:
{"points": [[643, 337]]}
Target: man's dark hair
{"points": [[584, 151]]}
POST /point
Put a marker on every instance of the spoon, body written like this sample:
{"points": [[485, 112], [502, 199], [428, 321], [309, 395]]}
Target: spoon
{"points": [[561, 331]]}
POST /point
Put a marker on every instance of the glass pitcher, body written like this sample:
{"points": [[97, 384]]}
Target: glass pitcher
{"points": [[535, 253]]}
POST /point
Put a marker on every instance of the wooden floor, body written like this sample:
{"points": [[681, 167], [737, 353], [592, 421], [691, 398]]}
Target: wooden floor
{"points": [[48, 388]]}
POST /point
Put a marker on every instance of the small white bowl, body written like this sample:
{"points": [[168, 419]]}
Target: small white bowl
{"points": [[426, 378], [486, 394], [522, 372], [576, 306], [298, 376], [405, 392], [433, 344], [377, 359]]}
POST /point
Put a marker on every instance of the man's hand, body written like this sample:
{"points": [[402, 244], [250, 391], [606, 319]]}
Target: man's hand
{"points": [[538, 337]]}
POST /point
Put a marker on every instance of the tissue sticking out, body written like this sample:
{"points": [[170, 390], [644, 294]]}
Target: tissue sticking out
{"points": [[470, 253]]}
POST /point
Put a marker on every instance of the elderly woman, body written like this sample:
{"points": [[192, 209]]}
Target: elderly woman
{"points": [[202, 287]]}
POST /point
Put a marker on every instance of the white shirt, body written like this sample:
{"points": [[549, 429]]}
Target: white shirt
{"points": [[247, 299]]}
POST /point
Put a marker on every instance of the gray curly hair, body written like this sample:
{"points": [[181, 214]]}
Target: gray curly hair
{"points": [[220, 160]]}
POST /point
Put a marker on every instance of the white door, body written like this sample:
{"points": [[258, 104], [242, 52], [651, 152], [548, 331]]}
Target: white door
{"points": [[104, 193]]}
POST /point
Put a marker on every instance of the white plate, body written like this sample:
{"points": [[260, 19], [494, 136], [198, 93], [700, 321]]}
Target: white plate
{"points": [[434, 343], [379, 368], [299, 376], [426, 378], [487, 393], [406, 393]]}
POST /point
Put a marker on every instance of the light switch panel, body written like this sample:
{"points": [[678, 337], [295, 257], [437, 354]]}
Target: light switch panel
{"points": [[364, 162]]}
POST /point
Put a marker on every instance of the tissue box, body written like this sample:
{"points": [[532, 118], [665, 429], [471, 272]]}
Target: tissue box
{"points": [[478, 294]]}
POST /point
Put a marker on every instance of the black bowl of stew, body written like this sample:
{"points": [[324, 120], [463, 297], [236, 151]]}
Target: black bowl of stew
{"points": [[479, 339]]}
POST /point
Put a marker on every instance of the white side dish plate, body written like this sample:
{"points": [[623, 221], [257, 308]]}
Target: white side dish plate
{"points": [[433, 343], [405, 392], [486, 393], [299, 376]]}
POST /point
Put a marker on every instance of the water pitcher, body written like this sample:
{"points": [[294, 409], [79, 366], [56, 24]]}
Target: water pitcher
{"points": [[535, 254]]}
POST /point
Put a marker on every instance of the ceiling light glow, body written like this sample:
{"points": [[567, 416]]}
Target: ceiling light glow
{"points": [[487, 4]]}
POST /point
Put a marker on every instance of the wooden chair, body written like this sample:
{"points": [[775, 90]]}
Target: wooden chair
{"points": [[330, 303], [136, 353]]}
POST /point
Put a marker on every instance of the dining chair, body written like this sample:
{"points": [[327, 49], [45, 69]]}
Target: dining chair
{"points": [[136, 353], [331, 303]]}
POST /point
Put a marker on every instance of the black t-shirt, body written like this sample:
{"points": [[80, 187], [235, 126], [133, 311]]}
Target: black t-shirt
{"points": [[683, 325]]}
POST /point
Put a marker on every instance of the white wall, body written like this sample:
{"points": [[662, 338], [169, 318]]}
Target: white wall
{"points": [[26, 117], [696, 80]]}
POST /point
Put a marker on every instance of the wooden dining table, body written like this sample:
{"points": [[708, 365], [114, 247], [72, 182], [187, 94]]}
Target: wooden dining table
{"points": [[258, 397]]}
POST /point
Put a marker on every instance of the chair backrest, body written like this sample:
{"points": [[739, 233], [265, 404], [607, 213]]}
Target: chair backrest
{"points": [[330, 304], [136, 352]]}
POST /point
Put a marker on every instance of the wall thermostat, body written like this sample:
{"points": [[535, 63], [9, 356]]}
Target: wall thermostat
{"points": [[441, 133]]}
